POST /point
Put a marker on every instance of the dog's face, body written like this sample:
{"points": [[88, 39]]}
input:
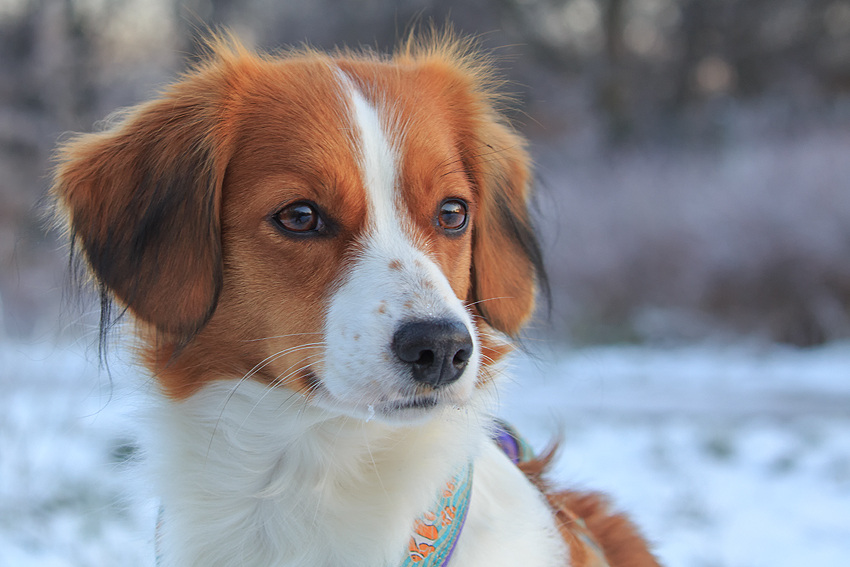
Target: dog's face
{"points": [[353, 229]]}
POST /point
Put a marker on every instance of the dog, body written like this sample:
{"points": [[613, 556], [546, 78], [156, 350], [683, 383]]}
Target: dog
{"points": [[327, 258]]}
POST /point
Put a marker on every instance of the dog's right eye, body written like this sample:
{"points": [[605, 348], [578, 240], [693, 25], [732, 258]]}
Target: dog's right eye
{"points": [[452, 216], [299, 218]]}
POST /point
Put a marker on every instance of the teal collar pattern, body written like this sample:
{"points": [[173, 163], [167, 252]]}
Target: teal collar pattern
{"points": [[436, 531]]}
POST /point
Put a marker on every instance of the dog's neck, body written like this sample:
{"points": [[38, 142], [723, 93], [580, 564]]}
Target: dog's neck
{"points": [[257, 476]]}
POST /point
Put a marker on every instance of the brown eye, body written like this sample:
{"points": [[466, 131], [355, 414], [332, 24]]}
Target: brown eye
{"points": [[453, 214], [299, 217]]}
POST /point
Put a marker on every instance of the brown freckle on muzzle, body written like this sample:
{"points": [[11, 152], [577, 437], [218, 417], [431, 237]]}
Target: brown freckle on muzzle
{"points": [[395, 265], [382, 308]]}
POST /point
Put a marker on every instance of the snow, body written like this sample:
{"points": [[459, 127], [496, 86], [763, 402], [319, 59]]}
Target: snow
{"points": [[66, 495], [725, 456]]}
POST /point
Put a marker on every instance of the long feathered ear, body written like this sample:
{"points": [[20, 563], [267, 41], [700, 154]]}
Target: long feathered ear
{"points": [[141, 201], [507, 264]]}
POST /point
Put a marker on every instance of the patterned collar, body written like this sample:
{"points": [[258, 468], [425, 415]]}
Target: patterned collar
{"points": [[436, 531]]}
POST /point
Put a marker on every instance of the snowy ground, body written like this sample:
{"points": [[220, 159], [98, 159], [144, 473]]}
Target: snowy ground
{"points": [[727, 457]]}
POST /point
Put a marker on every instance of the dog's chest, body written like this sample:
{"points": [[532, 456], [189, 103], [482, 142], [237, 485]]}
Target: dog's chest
{"points": [[244, 484]]}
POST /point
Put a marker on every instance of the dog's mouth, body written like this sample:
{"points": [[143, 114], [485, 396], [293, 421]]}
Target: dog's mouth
{"points": [[410, 410], [418, 403], [393, 407]]}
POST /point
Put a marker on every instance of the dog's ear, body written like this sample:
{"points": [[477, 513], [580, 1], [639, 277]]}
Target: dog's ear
{"points": [[507, 263], [142, 200]]}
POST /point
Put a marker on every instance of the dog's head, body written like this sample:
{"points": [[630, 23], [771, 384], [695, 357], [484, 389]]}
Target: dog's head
{"points": [[351, 227]]}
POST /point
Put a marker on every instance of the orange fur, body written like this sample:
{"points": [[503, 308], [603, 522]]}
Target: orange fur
{"points": [[587, 516]]}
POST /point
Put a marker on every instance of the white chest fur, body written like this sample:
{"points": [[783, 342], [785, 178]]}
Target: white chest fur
{"points": [[253, 477]]}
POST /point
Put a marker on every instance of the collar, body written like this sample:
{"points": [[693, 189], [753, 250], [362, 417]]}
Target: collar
{"points": [[514, 445], [436, 531]]}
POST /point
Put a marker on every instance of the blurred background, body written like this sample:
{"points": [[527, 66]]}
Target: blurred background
{"points": [[693, 165], [693, 168]]}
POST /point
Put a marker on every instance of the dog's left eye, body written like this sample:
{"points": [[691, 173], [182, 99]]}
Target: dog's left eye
{"points": [[300, 218], [453, 215]]}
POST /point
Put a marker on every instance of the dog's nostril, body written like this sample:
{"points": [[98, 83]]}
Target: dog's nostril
{"points": [[461, 357], [436, 351], [426, 358]]}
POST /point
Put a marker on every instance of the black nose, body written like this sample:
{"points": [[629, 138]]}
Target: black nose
{"points": [[436, 350]]}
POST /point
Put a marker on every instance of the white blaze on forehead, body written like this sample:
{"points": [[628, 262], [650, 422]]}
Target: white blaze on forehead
{"points": [[391, 280], [378, 159]]}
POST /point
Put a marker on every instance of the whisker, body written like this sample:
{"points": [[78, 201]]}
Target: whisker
{"points": [[278, 381], [259, 366], [274, 385], [278, 337], [488, 299], [271, 358], [487, 359]]}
